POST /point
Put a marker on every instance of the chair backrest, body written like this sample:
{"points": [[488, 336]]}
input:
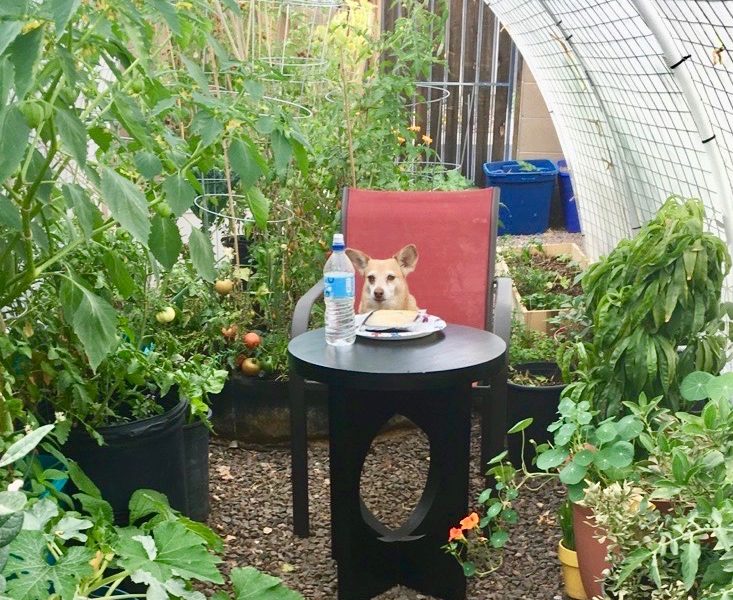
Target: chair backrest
{"points": [[455, 235]]}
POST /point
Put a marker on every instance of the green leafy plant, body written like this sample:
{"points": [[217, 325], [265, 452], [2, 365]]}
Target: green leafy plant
{"points": [[565, 520], [544, 282], [651, 296]]}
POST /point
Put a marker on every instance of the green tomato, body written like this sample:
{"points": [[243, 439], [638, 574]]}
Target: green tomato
{"points": [[164, 209], [137, 85], [268, 364], [34, 113]]}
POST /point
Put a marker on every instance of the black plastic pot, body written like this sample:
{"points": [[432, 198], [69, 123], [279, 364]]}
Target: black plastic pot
{"points": [[538, 402], [242, 246], [196, 450], [142, 454]]}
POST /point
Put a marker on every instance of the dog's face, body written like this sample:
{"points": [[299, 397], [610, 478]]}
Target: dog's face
{"points": [[385, 284]]}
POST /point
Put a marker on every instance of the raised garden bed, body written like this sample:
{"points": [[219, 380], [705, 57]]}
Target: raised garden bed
{"points": [[543, 278]]}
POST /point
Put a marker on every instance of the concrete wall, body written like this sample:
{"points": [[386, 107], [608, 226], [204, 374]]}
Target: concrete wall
{"points": [[536, 137]]}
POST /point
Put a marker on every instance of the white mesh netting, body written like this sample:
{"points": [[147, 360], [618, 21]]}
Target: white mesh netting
{"points": [[641, 94]]}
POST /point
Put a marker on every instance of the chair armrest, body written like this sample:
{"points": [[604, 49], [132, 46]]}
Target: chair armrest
{"points": [[303, 309], [503, 310]]}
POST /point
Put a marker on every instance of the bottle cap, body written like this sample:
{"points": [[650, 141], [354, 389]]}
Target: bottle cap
{"points": [[338, 241]]}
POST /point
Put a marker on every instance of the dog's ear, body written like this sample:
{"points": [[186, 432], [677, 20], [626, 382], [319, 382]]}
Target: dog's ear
{"points": [[407, 258], [358, 259]]}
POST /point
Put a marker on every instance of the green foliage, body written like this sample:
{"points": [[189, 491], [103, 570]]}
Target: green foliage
{"points": [[565, 520], [527, 345], [544, 283], [653, 294]]}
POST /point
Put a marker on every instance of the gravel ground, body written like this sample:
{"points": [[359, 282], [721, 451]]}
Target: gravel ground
{"points": [[251, 509]]}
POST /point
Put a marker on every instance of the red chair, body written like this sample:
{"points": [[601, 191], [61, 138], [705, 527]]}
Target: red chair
{"points": [[455, 235]]}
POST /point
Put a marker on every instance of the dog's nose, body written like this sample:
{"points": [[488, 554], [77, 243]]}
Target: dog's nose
{"points": [[378, 294]]}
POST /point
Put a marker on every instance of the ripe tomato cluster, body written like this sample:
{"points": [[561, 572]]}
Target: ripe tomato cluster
{"points": [[253, 361]]}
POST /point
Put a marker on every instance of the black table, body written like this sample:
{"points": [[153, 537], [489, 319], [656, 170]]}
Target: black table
{"points": [[427, 380]]}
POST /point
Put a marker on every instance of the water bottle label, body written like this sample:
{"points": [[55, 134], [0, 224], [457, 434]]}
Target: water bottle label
{"points": [[338, 287]]}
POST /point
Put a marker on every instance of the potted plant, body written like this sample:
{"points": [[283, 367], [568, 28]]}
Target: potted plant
{"points": [[533, 388], [544, 277], [655, 313], [567, 555]]}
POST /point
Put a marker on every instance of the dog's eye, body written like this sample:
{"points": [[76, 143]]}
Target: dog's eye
{"points": [[371, 279], [390, 277]]}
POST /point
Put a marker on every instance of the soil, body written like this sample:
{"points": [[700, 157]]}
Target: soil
{"points": [[563, 268], [251, 510]]}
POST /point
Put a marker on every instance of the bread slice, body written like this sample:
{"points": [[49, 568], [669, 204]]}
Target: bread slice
{"points": [[391, 318]]}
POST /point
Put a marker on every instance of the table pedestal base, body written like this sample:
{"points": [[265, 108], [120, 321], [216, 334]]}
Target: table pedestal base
{"points": [[371, 557]]}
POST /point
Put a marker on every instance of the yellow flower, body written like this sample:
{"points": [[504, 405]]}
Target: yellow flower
{"points": [[414, 127], [400, 139], [427, 139], [31, 25]]}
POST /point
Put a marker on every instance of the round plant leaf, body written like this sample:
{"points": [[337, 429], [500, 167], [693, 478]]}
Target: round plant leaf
{"points": [[572, 473], [606, 432], [576, 492], [629, 427], [565, 434], [619, 455], [552, 458], [11, 502], [694, 387], [521, 426], [721, 387], [583, 458]]}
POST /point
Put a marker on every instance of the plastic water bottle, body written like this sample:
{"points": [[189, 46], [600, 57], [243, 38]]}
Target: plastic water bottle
{"points": [[338, 292]]}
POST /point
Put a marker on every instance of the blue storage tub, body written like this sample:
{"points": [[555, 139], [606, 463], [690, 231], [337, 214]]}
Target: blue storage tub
{"points": [[525, 195], [570, 207]]}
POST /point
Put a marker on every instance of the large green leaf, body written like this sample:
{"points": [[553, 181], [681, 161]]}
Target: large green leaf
{"points": [[133, 120], [9, 214], [178, 193], [11, 502], [148, 164], [551, 458], [33, 576], [618, 455], [119, 274], [95, 323], [694, 387], [61, 12], [177, 552], [24, 445], [85, 210], [721, 387], [251, 584], [690, 554], [24, 53], [126, 203], [572, 473], [13, 141], [202, 255], [165, 241], [243, 158], [259, 205], [73, 134], [9, 30], [281, 150], [10, 526], [166, 9]]}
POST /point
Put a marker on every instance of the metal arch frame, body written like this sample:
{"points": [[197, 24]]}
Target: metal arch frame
{"points": [[634, 222], [675, 61]]}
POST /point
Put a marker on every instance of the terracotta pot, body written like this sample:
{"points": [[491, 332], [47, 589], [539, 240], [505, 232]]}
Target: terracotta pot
{"points": [[591, 553], [570, 573]]}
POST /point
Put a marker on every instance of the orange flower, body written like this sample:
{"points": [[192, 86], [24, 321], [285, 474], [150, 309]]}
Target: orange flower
{"points": [[455, 534], [427, 139], [470, 522], [414, 127]]}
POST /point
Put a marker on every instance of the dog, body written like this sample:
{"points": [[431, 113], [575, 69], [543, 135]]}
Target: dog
{"points": [[385, 283]]}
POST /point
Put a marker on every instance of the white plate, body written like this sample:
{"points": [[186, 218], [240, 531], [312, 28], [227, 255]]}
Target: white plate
{"points": [[427, 326]]}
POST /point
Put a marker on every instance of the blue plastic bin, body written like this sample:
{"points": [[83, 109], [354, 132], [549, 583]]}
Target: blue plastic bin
{"points": [[570, 208], [525, 195]]}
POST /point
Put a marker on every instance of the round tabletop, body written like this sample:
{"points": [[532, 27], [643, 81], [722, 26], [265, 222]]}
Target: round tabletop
{"points": [[456, 355]]}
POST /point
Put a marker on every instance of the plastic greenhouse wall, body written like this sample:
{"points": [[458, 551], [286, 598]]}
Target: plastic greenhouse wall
{"points": [[641, 95]]}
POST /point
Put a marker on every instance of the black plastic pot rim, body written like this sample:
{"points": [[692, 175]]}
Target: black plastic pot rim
{"points": [[529, 367]]}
